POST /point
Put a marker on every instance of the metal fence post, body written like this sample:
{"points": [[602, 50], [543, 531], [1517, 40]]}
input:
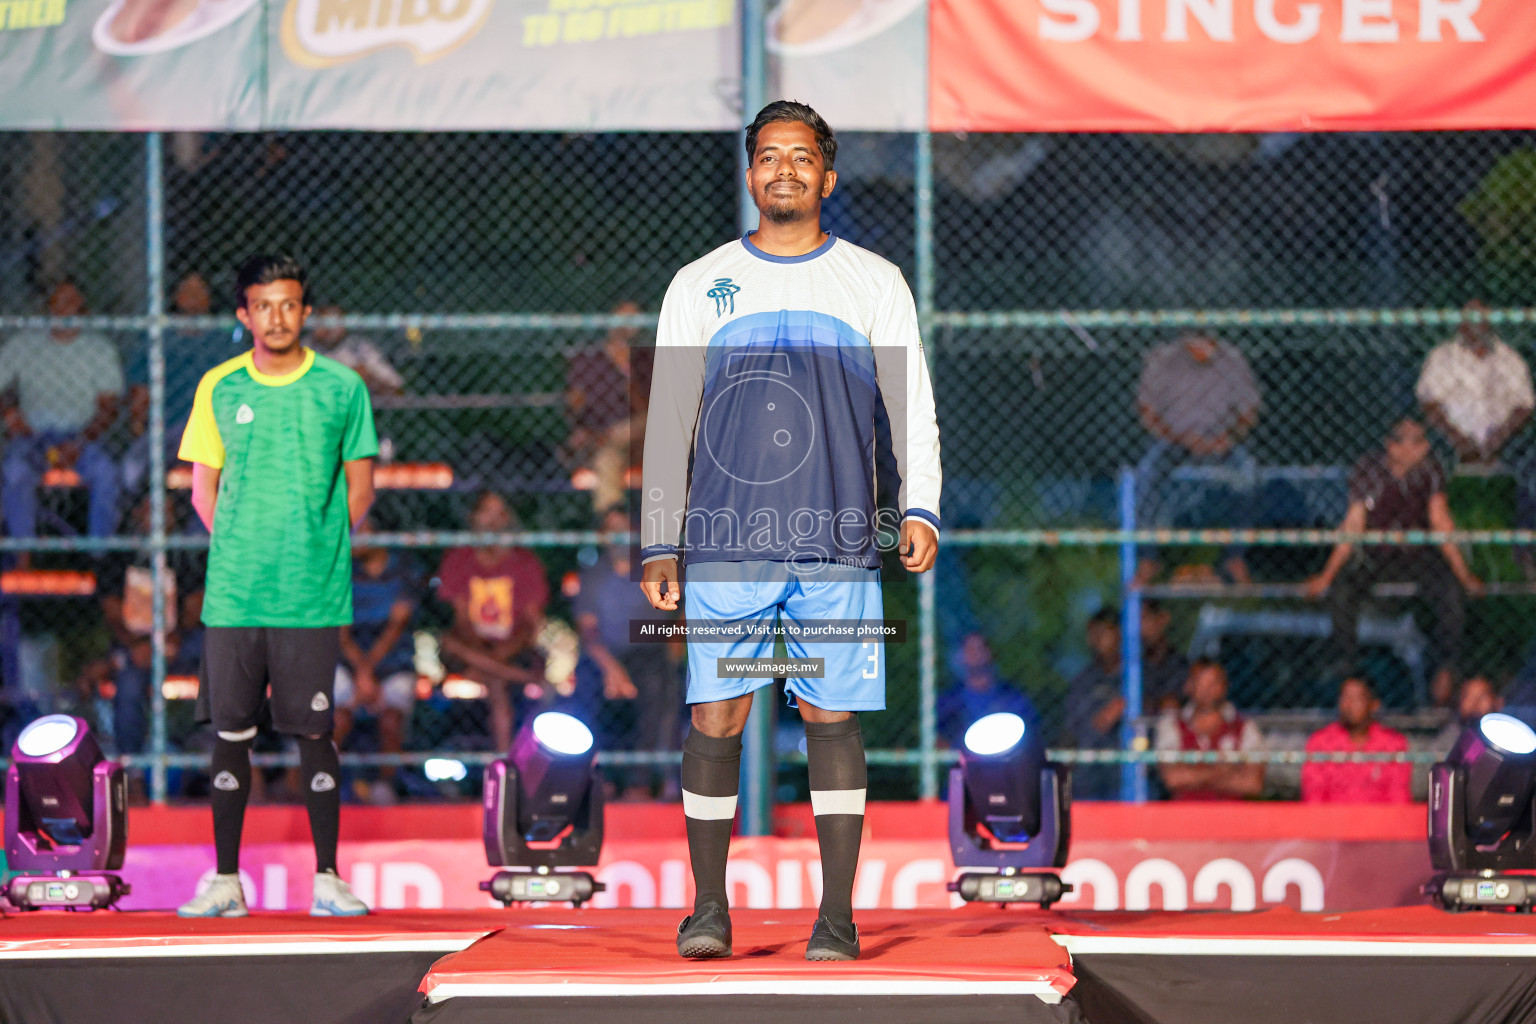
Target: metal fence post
{"points": [[1133, 777], [922, 201], [757, 761], [154, 233]]}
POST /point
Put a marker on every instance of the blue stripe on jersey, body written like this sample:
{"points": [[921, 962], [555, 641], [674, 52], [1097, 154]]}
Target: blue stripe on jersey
{"points": [[784, 462], [751, 247]]}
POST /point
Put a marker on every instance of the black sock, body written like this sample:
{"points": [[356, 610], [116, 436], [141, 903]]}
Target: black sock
{"points": [[835, 757], [320, 769], [231, 790], [711, 777]]}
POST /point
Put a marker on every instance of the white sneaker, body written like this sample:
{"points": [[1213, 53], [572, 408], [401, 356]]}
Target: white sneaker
{"points": [[224, 897], [334, 898]]}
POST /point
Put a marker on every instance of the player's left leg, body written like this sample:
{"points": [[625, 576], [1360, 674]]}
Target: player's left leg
{"points": [[302, 664], [853, 680]]}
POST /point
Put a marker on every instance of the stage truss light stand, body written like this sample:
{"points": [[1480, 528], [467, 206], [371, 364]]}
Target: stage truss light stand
{"points": [[1482, 819], [543, 815], [1020, 873], [66, 818]]}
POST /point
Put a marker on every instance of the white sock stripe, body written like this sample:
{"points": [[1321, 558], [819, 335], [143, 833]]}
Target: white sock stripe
{"points": [[837, 801], [709, 808], [239, 737]]}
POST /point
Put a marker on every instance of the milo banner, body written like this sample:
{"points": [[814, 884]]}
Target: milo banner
{"points": [[431, 65]]}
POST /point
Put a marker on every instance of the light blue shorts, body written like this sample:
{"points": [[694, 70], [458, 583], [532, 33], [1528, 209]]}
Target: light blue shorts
{"points": [[758, 592]]}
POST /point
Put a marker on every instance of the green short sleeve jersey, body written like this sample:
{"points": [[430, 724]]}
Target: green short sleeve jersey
{"points": [[281, 552]]}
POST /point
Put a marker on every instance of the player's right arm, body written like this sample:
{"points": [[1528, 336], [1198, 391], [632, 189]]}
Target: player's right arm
{"points": [[203, 446], [677, 389]]}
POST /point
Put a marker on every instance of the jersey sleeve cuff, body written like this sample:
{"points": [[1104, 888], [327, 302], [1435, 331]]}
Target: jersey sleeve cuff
{"points": [[924, 515], [657, 552]]}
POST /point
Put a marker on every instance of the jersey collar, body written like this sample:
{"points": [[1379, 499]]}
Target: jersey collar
{"points": [[287, 378], [747, 243]]}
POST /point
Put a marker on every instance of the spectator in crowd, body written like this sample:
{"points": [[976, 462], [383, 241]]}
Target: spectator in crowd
{"points": [[1399, 487], [61, 391], [606, 391], [1096, 705], [979, 691], [356, 353], [1475, 389], [377, 675], [1198, 399], [1478, 696], [125, 590], [1209, 722], [1357, 730], [189, 353], [645, 673], [498, 595], [1163, 666]]}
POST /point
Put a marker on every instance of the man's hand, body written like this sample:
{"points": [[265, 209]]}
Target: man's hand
{"points": [[1108, 716], [365, 686], [661, 586], [1316, 587], [68, 453], [1472, 585], [616, 682], [919, 545]]}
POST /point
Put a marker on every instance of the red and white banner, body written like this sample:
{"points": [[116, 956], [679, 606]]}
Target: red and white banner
{"points": [[1239, 856], [1231, 65]]}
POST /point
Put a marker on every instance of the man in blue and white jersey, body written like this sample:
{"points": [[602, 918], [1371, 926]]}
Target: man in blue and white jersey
{"points": [[774, 354]]}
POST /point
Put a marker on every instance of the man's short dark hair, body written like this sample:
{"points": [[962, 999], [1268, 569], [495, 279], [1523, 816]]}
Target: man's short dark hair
{"points": [[1202, 664], [791, 112], [1361, 677], [265, 269], [1105, 617]]}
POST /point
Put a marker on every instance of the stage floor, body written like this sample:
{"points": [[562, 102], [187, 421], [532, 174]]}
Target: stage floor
{"points": [[975, 963]]}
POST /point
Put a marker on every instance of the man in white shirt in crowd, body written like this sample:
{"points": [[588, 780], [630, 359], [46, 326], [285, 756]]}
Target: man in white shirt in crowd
{"points": [[1475, 389], [61, 390]]}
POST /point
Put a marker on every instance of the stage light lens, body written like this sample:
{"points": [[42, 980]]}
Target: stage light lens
{"points": [[562, 734], [994, 734], [47, 735], [1508, 733], [444, 769]]}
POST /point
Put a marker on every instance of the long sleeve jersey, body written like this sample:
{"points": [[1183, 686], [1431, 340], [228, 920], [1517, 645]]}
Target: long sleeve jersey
{"points": [[769, 374]]}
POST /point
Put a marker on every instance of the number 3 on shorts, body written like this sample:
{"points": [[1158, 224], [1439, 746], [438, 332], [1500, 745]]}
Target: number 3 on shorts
{"points": [[873, 672]]}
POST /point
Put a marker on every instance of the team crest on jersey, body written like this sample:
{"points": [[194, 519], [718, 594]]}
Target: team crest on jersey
{"points": [[244, 414], [226, 782], [320, 703], [723, 291]]}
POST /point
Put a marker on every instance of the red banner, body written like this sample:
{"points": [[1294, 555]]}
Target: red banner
{"points": [[1168, 856], [1231, 65]]}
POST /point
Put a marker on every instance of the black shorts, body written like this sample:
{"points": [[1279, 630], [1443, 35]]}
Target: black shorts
{"points": [[240, 662]]}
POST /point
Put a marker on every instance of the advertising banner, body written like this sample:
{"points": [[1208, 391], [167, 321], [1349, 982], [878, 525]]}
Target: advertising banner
{"points": [[1231, 65], [1136, 858]]}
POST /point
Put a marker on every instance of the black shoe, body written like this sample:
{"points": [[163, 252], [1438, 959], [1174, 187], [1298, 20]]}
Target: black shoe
{"points": [[833, 941], [705, 934]]}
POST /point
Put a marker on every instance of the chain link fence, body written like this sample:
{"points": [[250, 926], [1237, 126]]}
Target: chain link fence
{"points": [[1139, 345]]}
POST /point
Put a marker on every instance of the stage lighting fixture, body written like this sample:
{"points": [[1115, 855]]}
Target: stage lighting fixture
{"points": [[66, 818], [544, 813], [1010, 812], [1482, 818]]}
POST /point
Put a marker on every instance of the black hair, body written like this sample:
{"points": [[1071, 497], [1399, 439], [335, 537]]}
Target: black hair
{"points": [[791, 112], [1105, 617], [1361, 676], [1201, 664], [266, 269]]}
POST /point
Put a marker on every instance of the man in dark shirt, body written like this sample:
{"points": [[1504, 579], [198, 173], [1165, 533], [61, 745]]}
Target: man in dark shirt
{"points": [[377, 675], [644, 673], [605, 395], [1164, 668], [1095, 705], [1400, 487], [979, 691]]}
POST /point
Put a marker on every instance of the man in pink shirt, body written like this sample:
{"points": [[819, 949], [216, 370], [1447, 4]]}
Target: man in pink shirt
{"points": [[1375, 782]]}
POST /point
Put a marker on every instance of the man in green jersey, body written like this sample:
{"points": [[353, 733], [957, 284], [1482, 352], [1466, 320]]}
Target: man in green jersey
{"points": [[281, 443]]}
